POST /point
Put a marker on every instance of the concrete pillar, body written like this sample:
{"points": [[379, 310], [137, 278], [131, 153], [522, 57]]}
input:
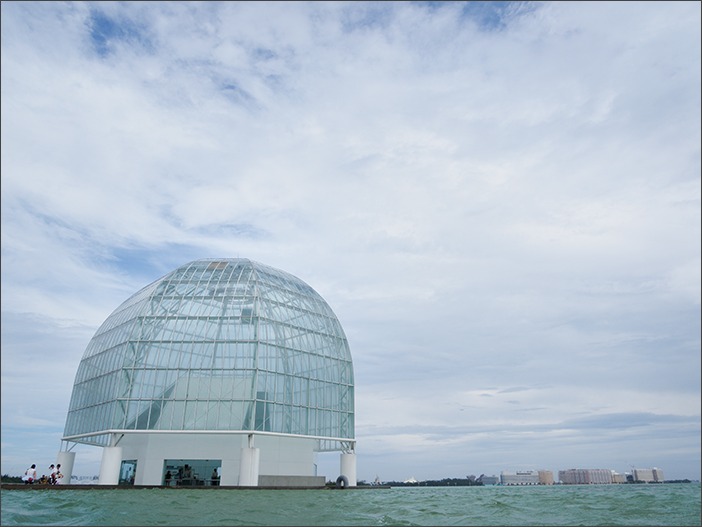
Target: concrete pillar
{"points": [[66, 459], [110, 465], [248, 470], [149, 471], [348, 468]]}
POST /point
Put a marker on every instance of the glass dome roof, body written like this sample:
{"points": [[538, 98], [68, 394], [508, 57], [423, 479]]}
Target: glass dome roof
{"points": [[225, 344]]}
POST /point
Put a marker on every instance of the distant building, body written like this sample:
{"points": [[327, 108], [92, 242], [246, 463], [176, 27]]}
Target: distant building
{"points": [[545, 477], [585, 476], [618, 478], [643, 474], [521, 477], [490, 480], [647, 475]]}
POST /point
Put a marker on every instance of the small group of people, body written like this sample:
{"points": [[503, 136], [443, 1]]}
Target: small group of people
{"points": [[54, 477], [185, 476]]}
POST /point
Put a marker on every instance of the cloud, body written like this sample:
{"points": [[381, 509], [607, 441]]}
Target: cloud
{"points": [[499, 200]]}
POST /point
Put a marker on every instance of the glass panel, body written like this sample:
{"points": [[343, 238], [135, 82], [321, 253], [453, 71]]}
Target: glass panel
{"points": [[164, 422]]}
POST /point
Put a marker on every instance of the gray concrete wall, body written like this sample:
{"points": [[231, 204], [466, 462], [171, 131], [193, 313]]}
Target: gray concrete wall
{"points": [[291, 481]]}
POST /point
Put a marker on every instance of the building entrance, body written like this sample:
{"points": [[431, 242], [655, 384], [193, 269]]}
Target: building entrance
{"points": [[127, 472], [191, 472]]}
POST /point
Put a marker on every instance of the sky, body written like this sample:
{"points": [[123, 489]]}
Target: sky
{"points": [[500, 202]]}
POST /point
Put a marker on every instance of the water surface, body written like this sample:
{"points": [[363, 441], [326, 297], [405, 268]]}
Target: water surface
{"points": [[640, 505]]}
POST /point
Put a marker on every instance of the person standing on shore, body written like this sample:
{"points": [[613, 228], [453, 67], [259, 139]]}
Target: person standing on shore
{"points": [[59, 476], [30, 475]]}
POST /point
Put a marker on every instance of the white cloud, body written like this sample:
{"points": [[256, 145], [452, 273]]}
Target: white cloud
{"points": [[503, 208]]}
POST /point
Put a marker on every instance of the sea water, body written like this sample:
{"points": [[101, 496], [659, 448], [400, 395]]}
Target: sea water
{"points": [[640, 505]]}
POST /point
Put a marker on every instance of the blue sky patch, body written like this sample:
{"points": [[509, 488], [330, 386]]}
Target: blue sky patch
{"points": [[106, 31], [489, 16], [149, 264]]}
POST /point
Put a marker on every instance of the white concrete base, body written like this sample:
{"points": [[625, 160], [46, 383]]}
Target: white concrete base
{"points": [[276, 456]]}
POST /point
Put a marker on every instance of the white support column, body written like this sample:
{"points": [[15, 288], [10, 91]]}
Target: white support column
{"points": [[250, 463], [110, 465], [66, 459], [149, 471], [348, 468]]}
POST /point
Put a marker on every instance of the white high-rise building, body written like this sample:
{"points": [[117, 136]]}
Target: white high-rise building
{"points": [[585, 476], [648, 475], [521, 477]]}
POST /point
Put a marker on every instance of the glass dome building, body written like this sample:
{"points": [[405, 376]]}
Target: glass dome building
{"points": [[222, 367]]}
